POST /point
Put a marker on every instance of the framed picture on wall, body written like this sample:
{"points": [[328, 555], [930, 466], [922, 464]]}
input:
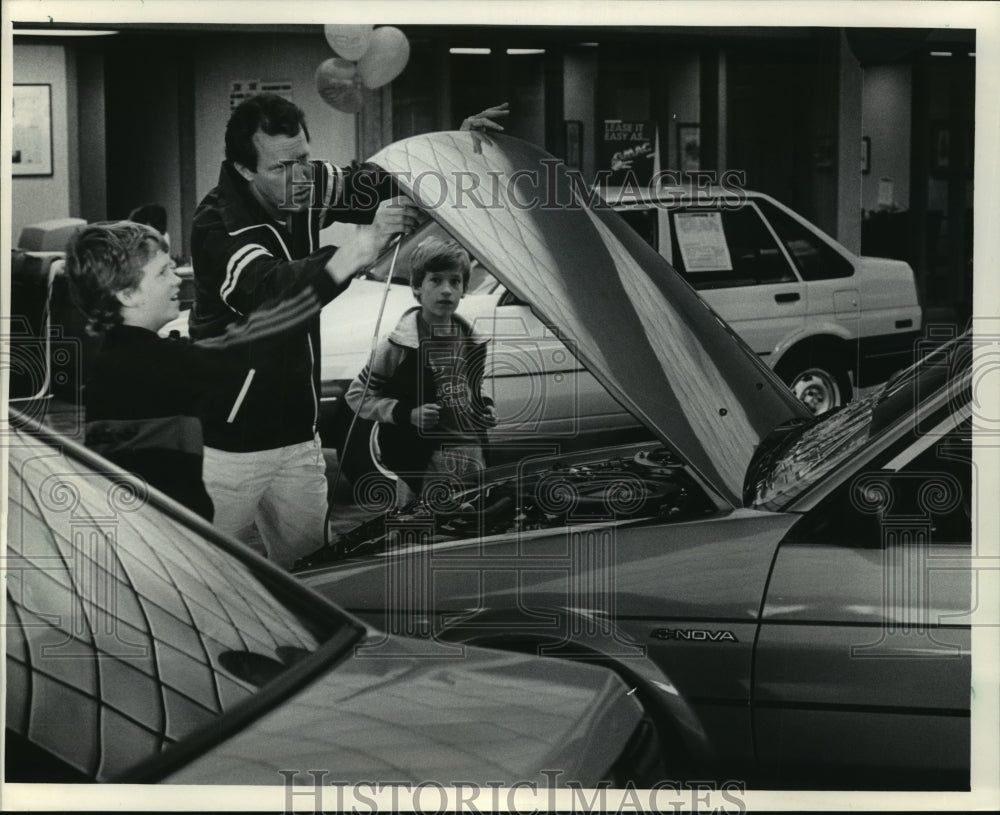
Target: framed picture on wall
{"points": [[688, 146], [31, 130], [866, 155], [940, 148], [574, 143]]}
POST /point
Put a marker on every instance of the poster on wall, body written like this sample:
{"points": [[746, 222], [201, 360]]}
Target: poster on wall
{"points": [[31, 132], [626, 150], [241, 89], [688, 146]]}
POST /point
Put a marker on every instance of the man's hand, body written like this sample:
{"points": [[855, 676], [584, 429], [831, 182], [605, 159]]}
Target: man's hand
{"points": [[395, 216], [426, 416], [483, 121]]}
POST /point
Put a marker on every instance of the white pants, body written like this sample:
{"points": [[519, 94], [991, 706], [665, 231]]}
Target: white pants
{"points": [[280, 494]]}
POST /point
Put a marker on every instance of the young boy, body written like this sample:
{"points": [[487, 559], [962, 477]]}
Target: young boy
{"points": [[424, 383], [145, 393]]}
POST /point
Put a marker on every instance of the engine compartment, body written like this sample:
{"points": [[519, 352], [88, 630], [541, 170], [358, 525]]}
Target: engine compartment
{"points": [[648, 484]]}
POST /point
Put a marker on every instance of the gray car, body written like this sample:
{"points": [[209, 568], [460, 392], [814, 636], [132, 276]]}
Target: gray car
{"points": [[790, 595], [144, 646]]}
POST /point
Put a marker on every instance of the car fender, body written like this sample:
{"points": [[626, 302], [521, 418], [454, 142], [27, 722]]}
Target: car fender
{"points": [[593, 639], [822, 330]]}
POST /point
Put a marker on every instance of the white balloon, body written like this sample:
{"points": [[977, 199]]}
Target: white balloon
{"points": [[386, 57], [349, 41]]}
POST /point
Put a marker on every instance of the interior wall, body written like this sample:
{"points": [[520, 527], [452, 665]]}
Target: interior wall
{"points": [[849, 129], [579, 83], [885, 120], [143, 160], [684, 101], [91, 113], [782, 127], [42, 198], [221, 60]]}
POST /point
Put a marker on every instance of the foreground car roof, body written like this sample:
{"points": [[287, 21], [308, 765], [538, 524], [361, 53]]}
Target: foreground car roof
{"points": [[640, 329]]}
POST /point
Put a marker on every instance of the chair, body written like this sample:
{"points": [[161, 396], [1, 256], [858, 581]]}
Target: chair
{"points": [[49, 236]]}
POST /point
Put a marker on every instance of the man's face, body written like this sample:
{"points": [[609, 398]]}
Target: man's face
{"points": [[439, 293], [268, 183]]}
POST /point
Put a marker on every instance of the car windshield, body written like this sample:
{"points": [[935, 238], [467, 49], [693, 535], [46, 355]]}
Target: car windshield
{"points": [[124, 620], [806, 456]]}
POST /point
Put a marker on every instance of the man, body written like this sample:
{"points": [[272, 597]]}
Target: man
{"points": [[256, 239]]}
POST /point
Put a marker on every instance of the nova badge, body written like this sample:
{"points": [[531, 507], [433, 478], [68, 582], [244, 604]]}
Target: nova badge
{"points": [[694, 634]]}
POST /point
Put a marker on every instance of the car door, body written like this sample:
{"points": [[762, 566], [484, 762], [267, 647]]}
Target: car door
{"points": [[862, 664], [832, 293], [732, 257]]}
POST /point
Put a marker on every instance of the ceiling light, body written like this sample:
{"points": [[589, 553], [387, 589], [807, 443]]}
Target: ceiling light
{"points": [[940, 53], [60, 32], [474, 51], [517, 52]]}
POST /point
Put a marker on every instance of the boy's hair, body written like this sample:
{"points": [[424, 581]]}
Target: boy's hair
{"points": [[104, 259], [438, 255], [268, 112]]}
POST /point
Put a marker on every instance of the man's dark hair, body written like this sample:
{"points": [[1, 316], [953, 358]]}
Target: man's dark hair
{"points": [[153, 215], [268, 112]]}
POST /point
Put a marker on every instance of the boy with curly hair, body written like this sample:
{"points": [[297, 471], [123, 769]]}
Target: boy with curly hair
{"points": [[145, 394]]}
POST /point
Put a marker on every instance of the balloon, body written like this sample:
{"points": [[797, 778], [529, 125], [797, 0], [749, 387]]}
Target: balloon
{"points": [[337, 83], [385, 58], [349, 41], [336, 68]]}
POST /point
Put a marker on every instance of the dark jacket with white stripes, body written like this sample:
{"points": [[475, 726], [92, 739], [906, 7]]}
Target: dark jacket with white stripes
{"points": [[242, 259], [144, 394]]}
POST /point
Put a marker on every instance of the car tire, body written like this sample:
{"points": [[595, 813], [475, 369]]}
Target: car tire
{"points": [[821, 383]]}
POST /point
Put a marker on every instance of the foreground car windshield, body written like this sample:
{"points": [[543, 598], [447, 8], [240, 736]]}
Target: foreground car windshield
{"points": [[791, 466], [128, 631]]}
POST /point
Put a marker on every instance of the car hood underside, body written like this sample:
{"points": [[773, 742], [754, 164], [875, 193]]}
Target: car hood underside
{"points": [[619, 306]]}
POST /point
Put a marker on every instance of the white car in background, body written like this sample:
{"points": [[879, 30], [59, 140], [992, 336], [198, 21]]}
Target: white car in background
{"points": [[824, 319]]}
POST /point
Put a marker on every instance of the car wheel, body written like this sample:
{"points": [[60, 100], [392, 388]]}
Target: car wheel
{"points": [[821, 387]]}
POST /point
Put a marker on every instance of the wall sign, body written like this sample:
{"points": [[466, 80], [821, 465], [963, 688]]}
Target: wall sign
{"points": [[241, 89], [31, 130], [626, 149]]}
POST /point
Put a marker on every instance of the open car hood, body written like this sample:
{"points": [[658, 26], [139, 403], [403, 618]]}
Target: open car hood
{"points": [[621, 308]]}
